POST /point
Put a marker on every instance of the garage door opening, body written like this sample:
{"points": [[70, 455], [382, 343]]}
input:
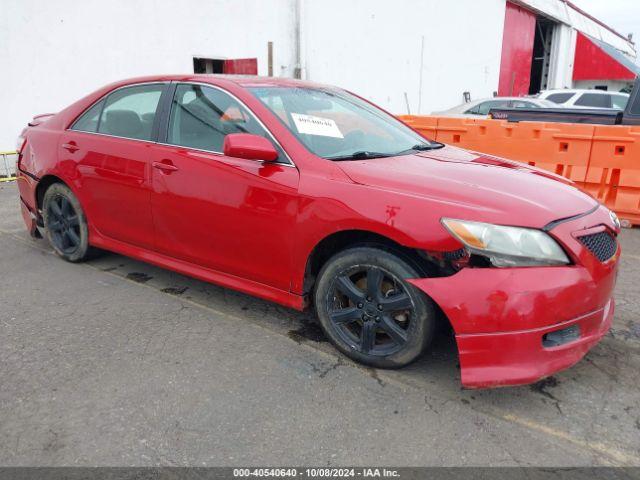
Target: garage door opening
{"points": [[207, 65], [541, 58], [243, 66]]}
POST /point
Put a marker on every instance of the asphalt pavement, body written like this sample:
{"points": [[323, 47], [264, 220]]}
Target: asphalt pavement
{"points": [[116, 362]]}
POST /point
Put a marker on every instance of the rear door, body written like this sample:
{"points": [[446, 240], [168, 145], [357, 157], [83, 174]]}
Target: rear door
{"points": [[229, 214], [110, 144]]}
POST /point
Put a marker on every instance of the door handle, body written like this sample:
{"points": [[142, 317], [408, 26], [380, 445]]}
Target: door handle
{"points": [[166, 166], [71, 146]]}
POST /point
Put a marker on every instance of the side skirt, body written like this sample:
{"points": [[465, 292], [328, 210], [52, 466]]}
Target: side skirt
{"points": [[250, 287]]}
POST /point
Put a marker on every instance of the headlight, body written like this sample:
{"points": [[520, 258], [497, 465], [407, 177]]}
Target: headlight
{"points": [[507, 246], [614, 219]]}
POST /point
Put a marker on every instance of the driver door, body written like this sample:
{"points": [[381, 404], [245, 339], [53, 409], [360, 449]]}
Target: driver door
{"points": [[227, 214]]}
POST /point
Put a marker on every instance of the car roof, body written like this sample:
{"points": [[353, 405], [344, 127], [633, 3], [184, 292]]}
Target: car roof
{"points": [[505, 98], [217, 79], [461, 108], [583, 90]]}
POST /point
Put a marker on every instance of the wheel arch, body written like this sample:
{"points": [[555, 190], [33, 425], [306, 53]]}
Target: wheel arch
{"points": [[339, 241], [42, 186]]}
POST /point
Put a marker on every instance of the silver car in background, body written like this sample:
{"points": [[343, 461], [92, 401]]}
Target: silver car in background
{"points": [[480, 108]]}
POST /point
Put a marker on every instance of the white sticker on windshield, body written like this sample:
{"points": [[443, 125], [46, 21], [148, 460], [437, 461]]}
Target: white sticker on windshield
{"points": [[313, 125]]}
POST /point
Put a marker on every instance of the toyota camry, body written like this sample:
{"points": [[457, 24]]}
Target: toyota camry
{"points": [[312, 197]]}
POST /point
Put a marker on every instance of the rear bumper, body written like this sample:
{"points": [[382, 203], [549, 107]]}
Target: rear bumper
{"points": [[29, 218], [27, 187]]}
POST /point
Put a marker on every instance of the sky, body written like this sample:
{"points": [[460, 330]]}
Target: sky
{"points": [[621, 15]]}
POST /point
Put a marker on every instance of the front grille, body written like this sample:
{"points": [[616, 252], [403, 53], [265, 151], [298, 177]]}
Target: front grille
{"points": [[602, 244], [455, 254]]}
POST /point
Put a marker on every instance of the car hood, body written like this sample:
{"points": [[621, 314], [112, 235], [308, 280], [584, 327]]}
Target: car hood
{"points": [[484, 187]]}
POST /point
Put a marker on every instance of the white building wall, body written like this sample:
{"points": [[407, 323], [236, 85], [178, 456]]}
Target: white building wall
{"points": [[373, 47], [54, 52]]}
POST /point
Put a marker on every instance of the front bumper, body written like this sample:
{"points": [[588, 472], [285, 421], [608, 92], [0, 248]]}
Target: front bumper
{"points": [[501, 316], [518, 358]]}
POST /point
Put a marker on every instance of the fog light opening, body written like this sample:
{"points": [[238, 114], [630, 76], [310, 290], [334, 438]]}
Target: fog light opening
{"points": [[561, 337]]}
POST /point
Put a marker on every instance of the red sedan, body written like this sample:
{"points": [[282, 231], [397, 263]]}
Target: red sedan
{"points": [[310, 196]]}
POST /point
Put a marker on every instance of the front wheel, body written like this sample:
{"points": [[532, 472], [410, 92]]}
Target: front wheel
{"points": [[370, 312], [65, 223]]}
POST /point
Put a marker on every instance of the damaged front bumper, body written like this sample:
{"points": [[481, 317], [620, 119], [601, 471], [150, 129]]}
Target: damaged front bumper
{"points": [[515, 326]]}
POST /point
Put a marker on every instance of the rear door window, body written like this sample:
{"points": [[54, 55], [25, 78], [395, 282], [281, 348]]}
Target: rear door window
{"points": [[559, 98], [130, 112], [594, 100]]}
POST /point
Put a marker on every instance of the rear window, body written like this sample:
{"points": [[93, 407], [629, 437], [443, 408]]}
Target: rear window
{"points": [[594, 100], [619, 101], [484, 107], [88, 121], [559, 98]]}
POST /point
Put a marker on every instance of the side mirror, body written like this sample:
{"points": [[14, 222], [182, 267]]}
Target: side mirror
{"points": [[250, 147]]}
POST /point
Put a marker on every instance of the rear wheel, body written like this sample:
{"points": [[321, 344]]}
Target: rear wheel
{"points": [[65, 223], [370, 312]]}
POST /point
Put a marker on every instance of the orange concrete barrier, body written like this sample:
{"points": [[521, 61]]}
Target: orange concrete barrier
{"points": [[603, 160], [614, 170], [426, 125]]}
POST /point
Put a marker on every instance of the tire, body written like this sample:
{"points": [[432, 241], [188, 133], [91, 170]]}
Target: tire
{"points": [[65, 224], [387, 326]]}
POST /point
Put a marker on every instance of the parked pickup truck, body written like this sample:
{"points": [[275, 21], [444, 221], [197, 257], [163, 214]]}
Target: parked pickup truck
{"points": [[630, 115]]}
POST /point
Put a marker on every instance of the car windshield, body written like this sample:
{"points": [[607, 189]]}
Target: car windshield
{"points": [[336, 125]]}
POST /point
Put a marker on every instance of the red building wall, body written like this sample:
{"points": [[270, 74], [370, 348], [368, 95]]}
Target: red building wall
{"points": [[244, 66], [592, 63]]}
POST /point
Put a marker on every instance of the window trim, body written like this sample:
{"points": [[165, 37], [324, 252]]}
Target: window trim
{"points": [[155, 129], [165, 115]]}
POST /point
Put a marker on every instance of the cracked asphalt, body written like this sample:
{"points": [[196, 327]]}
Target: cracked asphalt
{"points": [[116, 362]]}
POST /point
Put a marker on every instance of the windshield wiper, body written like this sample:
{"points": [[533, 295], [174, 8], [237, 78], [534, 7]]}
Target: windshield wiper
{"points": [[421, 147], [361, 155], [365, 154]]}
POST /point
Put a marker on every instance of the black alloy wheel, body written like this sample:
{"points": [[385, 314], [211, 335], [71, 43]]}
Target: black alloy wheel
{"points": [[63, 224], [369, 310]]}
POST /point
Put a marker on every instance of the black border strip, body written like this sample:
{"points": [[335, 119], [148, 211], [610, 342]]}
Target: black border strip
{"points": [[551, 225], [30, 175]]}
